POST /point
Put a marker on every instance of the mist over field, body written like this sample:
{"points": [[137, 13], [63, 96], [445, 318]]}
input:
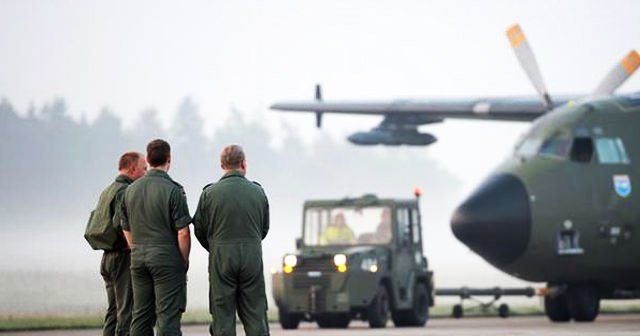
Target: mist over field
{"points": [[54, 168]]}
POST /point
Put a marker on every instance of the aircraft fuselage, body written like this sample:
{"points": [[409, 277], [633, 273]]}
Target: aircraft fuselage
{"points": [[563, 209]]}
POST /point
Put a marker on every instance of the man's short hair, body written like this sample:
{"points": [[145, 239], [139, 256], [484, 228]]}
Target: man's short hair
{"points": [[158, 152], [232, 157], [128, 160]]}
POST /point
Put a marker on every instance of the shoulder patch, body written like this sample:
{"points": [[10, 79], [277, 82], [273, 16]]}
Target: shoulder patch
{"points": [[256, 183]]}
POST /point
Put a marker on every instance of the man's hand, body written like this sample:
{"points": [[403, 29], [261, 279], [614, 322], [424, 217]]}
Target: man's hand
{"points": [[127, 236], [184, 243]]}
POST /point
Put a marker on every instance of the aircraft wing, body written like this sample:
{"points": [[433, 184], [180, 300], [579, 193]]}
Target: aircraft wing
{"points": [[402, 117], [428, 111]]}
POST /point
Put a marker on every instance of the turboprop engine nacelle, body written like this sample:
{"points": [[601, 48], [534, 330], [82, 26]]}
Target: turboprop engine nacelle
{"points": [[391, 138]]}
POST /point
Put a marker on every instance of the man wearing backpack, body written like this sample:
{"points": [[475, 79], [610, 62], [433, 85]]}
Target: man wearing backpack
{"points": [[104, 233]]}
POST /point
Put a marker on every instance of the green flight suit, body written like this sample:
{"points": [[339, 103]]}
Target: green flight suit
{"points": [[231, 220], [154, 210], [114, 266]]}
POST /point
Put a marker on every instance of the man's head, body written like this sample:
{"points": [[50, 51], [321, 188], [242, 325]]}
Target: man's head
{"points": [[159, 154], [232, 158], [132, 165]]}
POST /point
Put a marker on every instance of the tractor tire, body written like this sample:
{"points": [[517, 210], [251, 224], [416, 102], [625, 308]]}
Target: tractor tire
{"points": [[418, 315], [378, 310], [288, 320]]}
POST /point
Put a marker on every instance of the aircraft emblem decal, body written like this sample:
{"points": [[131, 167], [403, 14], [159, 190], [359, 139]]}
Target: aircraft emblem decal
{"points": [[622, 185]]}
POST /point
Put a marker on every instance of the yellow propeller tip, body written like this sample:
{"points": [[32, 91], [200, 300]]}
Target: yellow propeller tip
{"points": [[515, 35], [631, 62]]}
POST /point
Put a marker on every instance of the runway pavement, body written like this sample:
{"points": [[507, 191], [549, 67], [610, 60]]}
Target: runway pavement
{"points": [[535, 326]]}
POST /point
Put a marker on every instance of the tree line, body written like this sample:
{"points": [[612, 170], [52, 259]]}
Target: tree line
{"points": [[54, 166]]}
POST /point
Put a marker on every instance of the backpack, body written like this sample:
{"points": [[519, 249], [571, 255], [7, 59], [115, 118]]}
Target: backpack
{"points": [[101, 231]]}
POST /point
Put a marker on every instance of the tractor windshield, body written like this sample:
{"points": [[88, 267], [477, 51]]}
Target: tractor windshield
{"points": [[325, 226]]}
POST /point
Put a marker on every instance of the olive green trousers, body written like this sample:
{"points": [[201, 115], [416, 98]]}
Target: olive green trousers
{"points": [[159, 279], [114, 269], [236, 282]]}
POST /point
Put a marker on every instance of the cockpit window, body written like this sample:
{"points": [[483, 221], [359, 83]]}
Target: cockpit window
{"points": [[582, 150], [611, 151], [529, 147], [557, 147]]}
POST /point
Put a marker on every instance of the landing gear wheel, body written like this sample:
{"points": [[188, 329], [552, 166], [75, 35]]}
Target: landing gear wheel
{"points": [[378, 311], [557, 308], [584, 302], [288, 320], [416, 316], [338, 321], [503, 310], [457, 311]]}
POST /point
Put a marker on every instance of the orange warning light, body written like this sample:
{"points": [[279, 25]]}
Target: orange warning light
{"points": [[417, 191]]}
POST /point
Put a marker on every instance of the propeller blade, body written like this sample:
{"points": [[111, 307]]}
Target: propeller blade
{"points": [[318, 99], [318, 92], [528, 62], [618, 74]]}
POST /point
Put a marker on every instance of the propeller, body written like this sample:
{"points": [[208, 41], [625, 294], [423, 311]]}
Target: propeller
{"points": [[528, 62], [319, 100], [618, 74]]}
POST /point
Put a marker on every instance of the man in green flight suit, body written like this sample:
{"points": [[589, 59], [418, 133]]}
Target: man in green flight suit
{"points": [[114, 267], [156, 223], [231, 220]]}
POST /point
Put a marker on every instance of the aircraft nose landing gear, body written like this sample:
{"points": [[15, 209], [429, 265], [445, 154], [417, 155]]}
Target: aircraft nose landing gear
{"points": [[579, 302]]}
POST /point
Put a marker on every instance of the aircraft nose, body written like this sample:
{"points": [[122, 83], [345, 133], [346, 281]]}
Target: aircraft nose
{"points": [[495, 221]]}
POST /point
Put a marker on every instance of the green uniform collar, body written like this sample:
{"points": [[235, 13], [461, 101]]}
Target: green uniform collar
{"points": [[159, 173], [233, 173], [124, 179]]}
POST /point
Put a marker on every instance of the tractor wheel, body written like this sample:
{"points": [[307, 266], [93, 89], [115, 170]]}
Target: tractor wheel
{"points": [[418, 315], [288, 320], [378, 311]]}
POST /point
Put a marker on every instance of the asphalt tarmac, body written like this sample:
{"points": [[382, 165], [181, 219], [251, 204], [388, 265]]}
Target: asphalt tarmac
{"points": [[605, 325]]}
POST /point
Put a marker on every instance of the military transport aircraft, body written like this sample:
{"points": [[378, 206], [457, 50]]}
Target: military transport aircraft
{"points": [[561, 209]]}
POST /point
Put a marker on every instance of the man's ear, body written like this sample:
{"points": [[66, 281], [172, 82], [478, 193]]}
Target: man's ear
{"points": [[243, 165]]}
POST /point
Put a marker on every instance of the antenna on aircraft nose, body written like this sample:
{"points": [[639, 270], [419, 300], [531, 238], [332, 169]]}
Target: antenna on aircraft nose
{"points": [[619, 74], [527, 60], [319, 100]]}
